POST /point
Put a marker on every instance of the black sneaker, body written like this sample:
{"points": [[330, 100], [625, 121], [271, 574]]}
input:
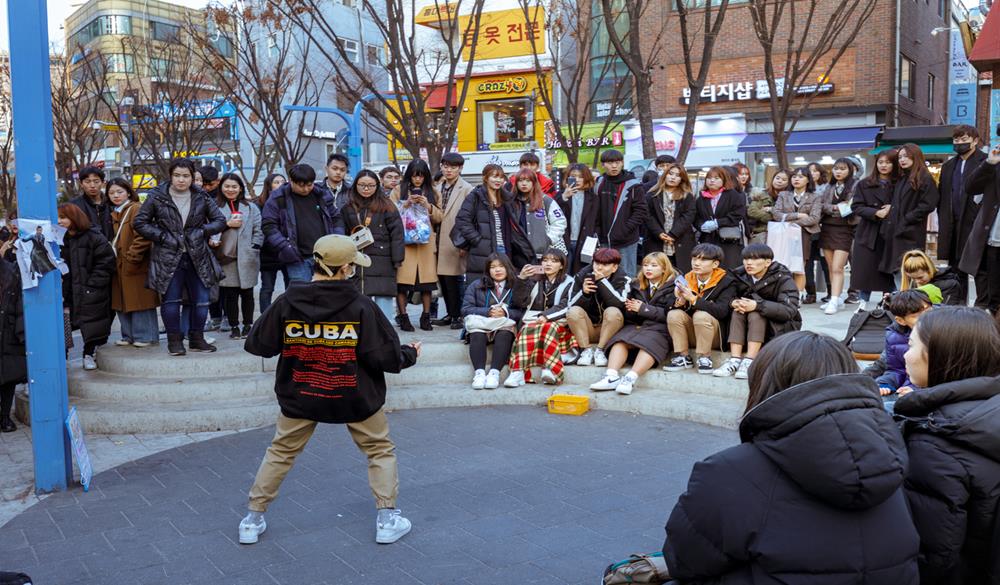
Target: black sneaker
{"points": [[852, 297], [678, 363], [825, 299], [457, 323], [705, 365], [196, 342], [246, 331], [442, 322], [234, 332], [175, 344]]}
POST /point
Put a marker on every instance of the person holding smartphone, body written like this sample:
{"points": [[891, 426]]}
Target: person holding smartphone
{"points": [[598, 305], [766, 306], [578, 187]]}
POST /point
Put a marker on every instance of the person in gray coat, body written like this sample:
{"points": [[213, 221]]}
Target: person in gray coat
{"points": [[240, 259]]}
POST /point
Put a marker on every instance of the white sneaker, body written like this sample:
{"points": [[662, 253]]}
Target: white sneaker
{"points": [[123, 343], [89, 363], [625, 386], [608, 382], [514, 380], [390, 525], [493, 380], [140, 344], [586, 357], [548, 377], [862, 306], [728, 368], [479, 380], [744, 371], [250, 532], [569, 358], [832, 307], [600, 360]]}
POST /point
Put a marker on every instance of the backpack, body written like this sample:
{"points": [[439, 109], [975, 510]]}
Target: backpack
{"points": [[14, 579], [651, 568], [866, 333]]}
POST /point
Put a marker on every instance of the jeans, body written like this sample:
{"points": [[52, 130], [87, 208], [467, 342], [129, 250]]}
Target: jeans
{"points": [[185, 277], [300, 271], [387, 305], [630, 262], [139, 326], [269, 278]]}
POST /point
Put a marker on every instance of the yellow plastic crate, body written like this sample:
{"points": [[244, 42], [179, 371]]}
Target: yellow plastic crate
{"points": [[569, 404]]}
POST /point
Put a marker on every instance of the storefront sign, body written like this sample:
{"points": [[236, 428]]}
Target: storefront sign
{"points": [[744, 91], [436, 13], [505, 33], [497, 146], [509, 85], [962, 103], [510, 161], [715, 141], [615, 138], [603, 110]]}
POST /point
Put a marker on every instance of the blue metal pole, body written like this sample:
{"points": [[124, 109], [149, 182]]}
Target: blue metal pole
{"points": [[36, 190]]}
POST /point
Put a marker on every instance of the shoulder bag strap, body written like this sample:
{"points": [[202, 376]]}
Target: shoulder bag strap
{"points": [[121, 225]]}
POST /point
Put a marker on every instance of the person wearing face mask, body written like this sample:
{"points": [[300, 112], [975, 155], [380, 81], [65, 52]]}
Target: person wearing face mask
{"points": [[762, 203], [335, 347], [951, 425], [719, 215], [915, 197], [957, 208], [130, 299], [800, 205], [670, 220], [240, 258]]}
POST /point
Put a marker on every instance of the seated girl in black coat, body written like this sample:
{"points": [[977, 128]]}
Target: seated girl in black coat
{"points": [[491, 315], [645, 330], [952, 430], [814, 494], [918, 270]]}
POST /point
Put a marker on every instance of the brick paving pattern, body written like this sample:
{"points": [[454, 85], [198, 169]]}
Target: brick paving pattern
{"points": [[498, 496]]}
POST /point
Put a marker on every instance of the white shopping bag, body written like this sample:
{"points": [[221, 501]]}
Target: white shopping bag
{"points": [[786, 241], [588, 249]]}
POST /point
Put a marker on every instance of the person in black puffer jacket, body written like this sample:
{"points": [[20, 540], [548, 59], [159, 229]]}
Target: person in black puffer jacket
{"points": [[368, 206], [814, 492], [87, 287], [181, 258], [13, 363], [952, 430], [270, 266]]}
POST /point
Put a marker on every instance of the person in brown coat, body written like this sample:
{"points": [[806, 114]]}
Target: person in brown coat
{"points": [[130, 299], [418, 272], [450, 260]]}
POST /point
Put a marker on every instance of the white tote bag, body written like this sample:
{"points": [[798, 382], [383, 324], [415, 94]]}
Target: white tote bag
{"points": [[786, 240]]}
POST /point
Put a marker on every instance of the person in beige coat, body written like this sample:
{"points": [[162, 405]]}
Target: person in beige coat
{"points": [[802, 205], [135, 304], [418, 273], [451, 260]]}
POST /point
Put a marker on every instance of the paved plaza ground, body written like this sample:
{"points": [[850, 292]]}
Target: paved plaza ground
{"points": [[497, 495]]}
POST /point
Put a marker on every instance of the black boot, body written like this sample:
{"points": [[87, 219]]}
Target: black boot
{"points": [[175, 344], [457, 323], [196, 342], [425, 322], [442, 322], [404, 322], [7, 425], [809, 300]]}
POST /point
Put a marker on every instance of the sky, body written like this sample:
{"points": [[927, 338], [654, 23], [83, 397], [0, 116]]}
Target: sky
{"points": [[58, 10]]}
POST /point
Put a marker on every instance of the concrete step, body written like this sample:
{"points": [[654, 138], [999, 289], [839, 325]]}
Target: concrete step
{"points": [[107, 417], [101, 385], [155, 362]]}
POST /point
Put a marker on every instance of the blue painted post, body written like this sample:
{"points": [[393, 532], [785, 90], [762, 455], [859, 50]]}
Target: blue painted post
{"points": [[36, 190]]}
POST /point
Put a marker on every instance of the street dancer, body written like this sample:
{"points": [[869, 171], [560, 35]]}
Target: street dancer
{"points": [[335, 345]]}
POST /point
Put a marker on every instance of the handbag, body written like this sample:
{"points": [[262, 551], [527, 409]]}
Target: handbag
{"points": [[362, 236], [785, 239], [731, 235], [480, 324], [651, 568], [866, 333], [225, 252]]}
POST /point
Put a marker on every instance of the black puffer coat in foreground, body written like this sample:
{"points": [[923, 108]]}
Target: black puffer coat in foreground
{"points": [[813, 496], [953, 483]]}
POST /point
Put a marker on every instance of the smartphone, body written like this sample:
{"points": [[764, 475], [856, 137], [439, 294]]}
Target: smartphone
{"points": [[571, 181]]}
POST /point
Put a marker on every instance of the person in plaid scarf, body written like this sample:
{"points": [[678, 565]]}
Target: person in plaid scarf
{"points": [[544, 291]]}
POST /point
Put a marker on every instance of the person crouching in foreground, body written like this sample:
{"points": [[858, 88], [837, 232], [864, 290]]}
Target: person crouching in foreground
{"points": [[335, 345]]}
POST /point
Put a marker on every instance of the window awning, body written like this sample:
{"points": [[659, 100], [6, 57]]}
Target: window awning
{"points": [[438, 96], [931, 148], [814, 140]]}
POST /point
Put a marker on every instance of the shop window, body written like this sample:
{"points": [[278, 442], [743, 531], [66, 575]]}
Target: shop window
{"points": [[350, 49], [120, 63], [907, 77], [504, 121], [168, 33], [159, 67]]}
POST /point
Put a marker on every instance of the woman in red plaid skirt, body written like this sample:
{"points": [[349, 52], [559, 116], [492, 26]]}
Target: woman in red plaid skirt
{"points": [[544, 290]]}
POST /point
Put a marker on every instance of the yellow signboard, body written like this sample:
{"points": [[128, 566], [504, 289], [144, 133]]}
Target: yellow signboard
{"points": [[505, 33], [505, 85], [436, 13]]}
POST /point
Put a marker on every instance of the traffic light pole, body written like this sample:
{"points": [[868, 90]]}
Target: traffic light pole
{"points": [[31, 94]]}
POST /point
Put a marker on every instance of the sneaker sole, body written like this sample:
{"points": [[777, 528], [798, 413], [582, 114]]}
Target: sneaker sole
{"points": [[706, 372], [676, 368], [255, 538], [394, 539]]}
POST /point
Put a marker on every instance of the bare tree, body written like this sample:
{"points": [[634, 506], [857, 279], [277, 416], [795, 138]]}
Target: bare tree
{"points": [[77, 112], [394, 94], [8, 195], [709, 33], [808, 32], [568, 91], [640, 63], [271, 67]]}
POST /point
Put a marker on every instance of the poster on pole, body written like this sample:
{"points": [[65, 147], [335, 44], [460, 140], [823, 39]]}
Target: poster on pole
{"points": [[79, 448], [34, 249]]}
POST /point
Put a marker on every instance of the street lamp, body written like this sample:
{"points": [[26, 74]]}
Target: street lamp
{"points": [[941, 29]]}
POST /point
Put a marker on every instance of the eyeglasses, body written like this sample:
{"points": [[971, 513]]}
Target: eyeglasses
{"points": [[367, 186]]}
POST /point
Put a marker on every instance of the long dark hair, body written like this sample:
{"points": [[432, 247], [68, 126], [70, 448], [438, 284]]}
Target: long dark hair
{"points": [[804, 171], [892, 155], [852, 170], [241, 198], [265, 192], [770, 184], [824, 175], [918, 172], [794, 358], [560, 257], [961, 343], [379, 202], [503, 259], [418, 166]]}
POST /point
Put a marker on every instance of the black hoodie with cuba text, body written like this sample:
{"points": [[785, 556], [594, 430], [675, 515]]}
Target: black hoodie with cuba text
{"points": [[335, 346]]}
